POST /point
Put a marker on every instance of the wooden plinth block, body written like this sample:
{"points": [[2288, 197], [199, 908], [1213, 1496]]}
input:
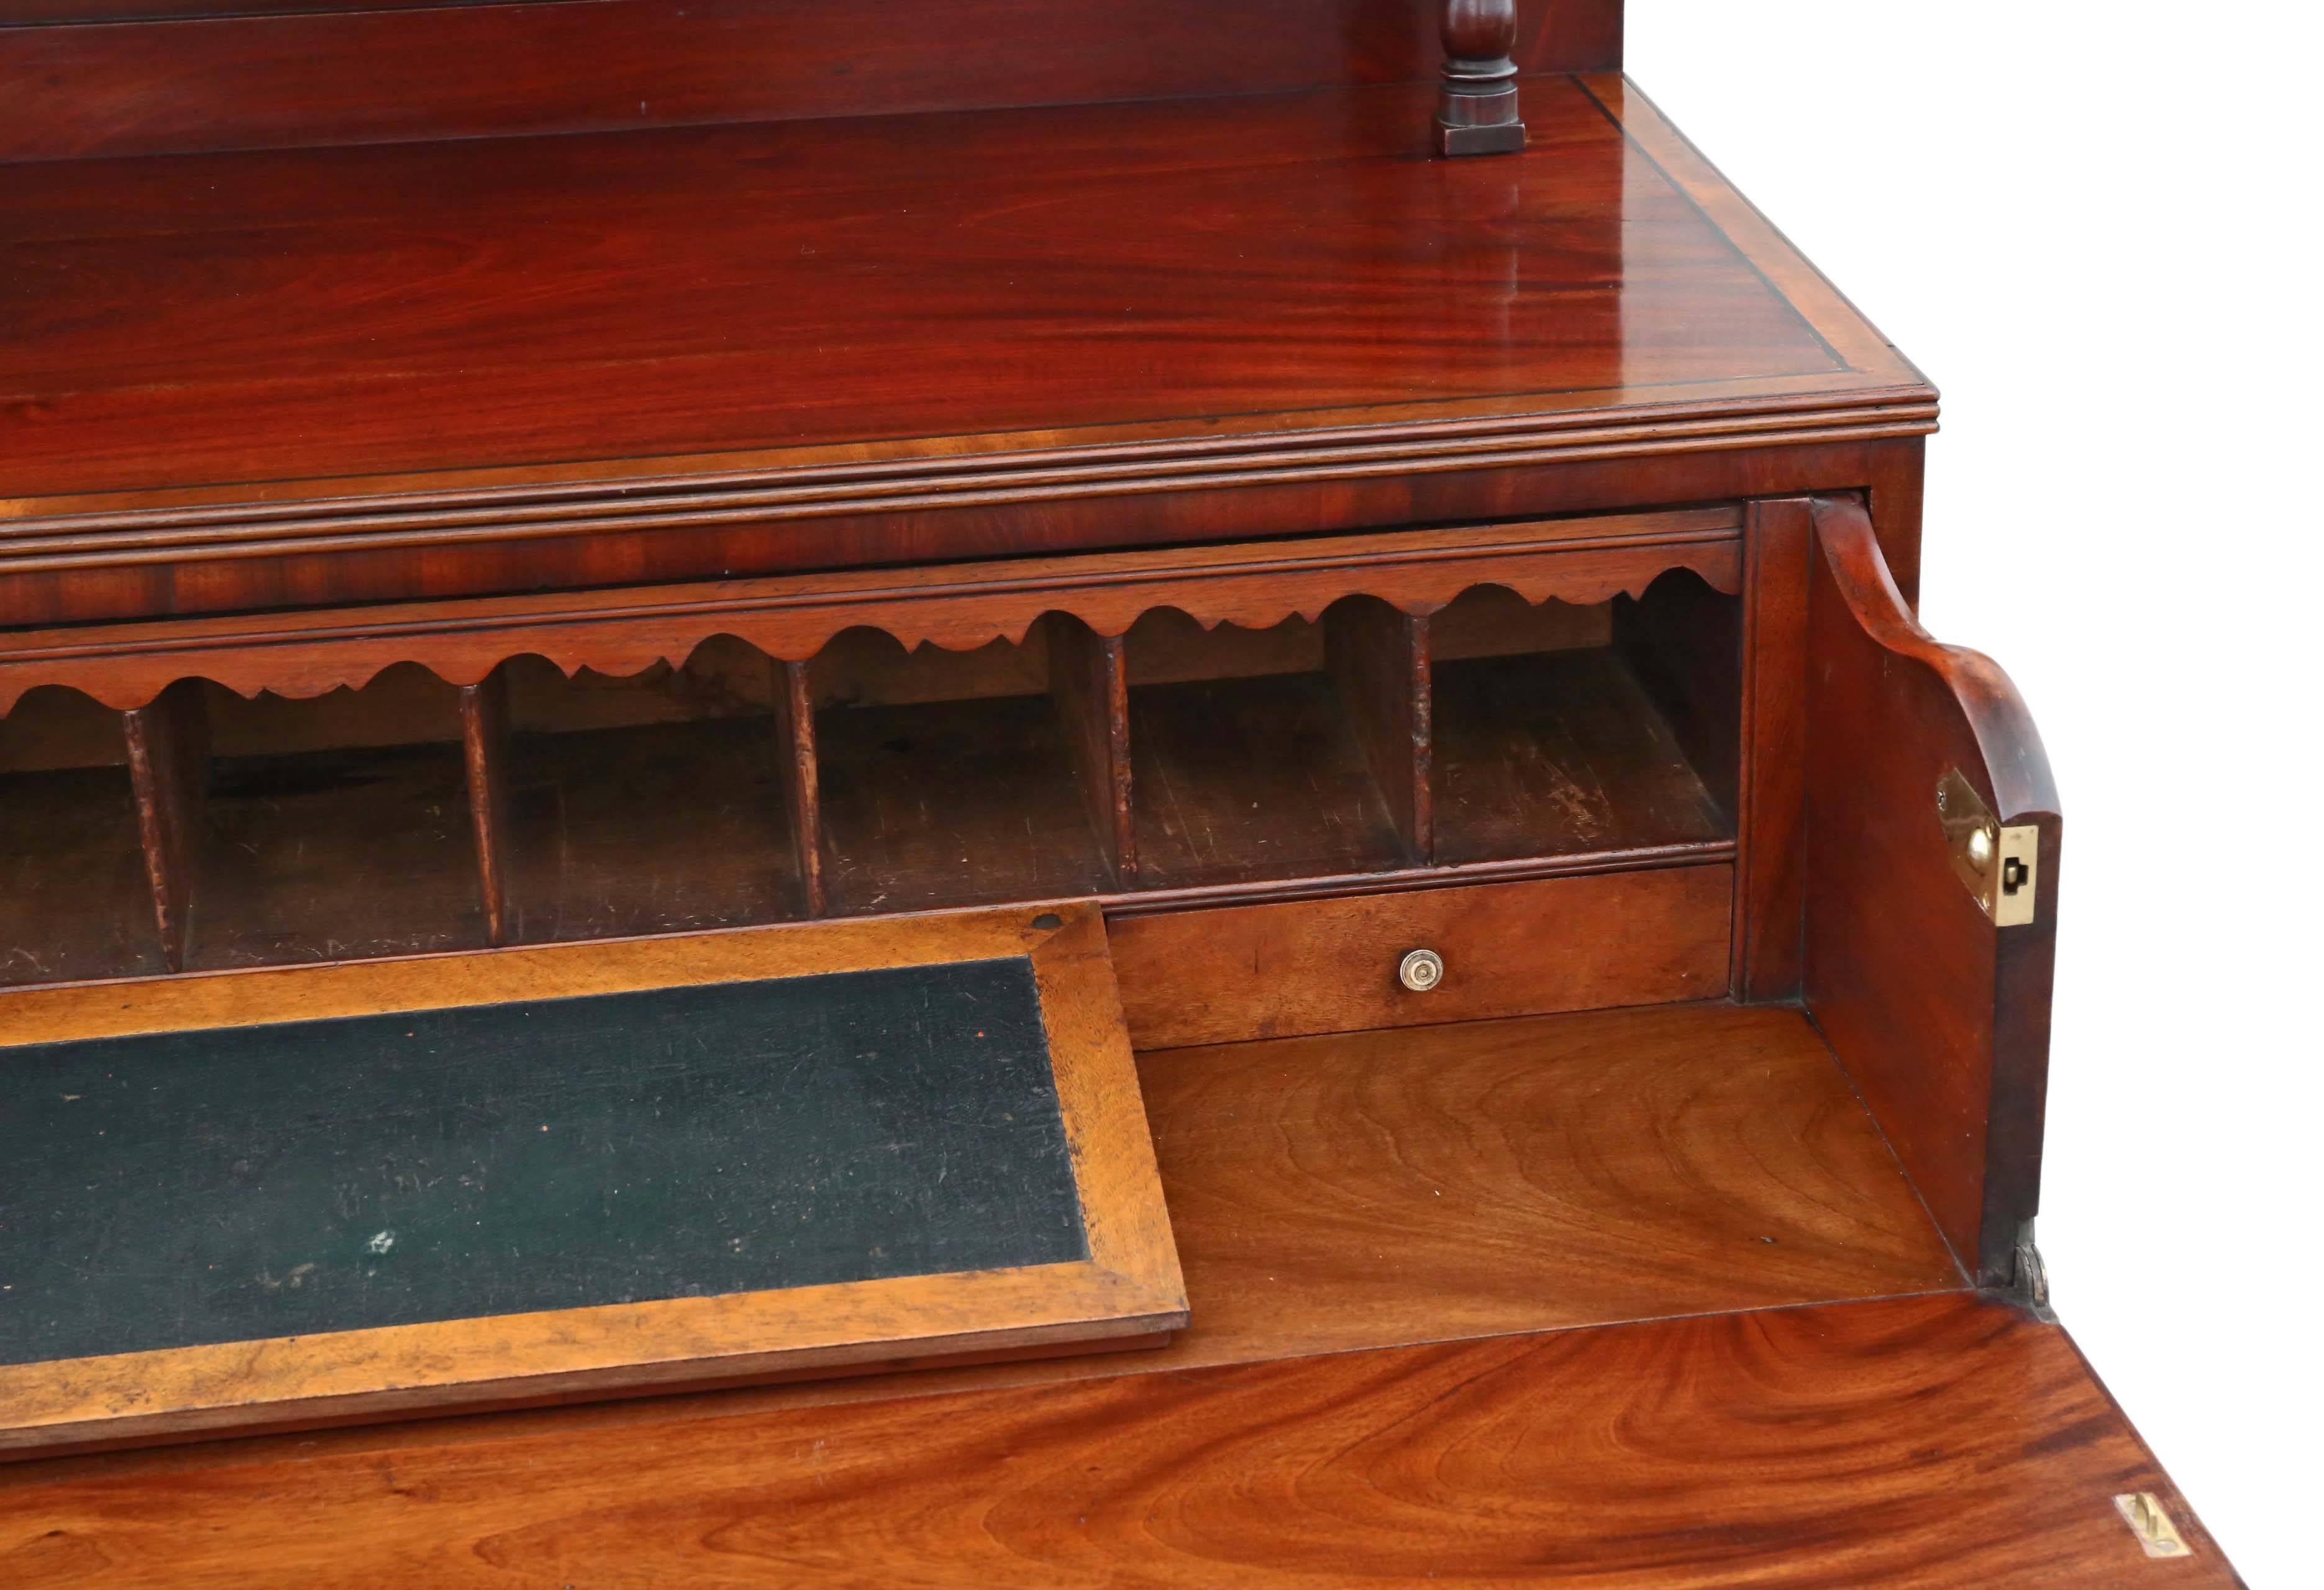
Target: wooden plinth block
{"points": [[1477, 102]]}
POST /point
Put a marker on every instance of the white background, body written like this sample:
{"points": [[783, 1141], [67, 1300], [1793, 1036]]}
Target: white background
{"points": [[2099, 230]]}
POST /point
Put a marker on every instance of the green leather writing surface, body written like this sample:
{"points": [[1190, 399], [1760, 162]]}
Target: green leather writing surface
{"points": [[178, 1189]]}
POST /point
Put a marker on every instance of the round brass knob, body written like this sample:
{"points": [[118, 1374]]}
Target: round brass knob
{"points": [[1420, 970]]}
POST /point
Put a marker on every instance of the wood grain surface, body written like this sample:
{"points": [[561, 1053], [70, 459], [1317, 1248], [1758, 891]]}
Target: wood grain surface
{"points": [[1938, 1443], [1683, 640], [652, 770], [1942, 1018], [483, 749], [1260, 779], [1389, 1187], [166, 744], [1089, 681], [1564, 752], [1378, 658], [651, 828], [629, 295], [224, 74], [792, 694], [331, 855], [1235, 972], [1771, 815], [76, 897], [1577, 304], [956, 607], [943, 804], [335, 572], [1673, 1141]]}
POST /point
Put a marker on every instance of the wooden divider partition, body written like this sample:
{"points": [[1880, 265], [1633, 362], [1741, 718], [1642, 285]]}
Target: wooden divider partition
{"points": [[1373, 598], [169, 765]]}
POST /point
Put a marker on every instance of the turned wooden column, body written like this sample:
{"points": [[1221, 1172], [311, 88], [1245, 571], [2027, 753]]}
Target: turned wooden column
{"points": [[1477, 104]]}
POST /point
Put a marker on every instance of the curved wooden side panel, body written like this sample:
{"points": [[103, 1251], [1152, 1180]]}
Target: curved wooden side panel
{"points": [[957, 607], [1941, 1017]]}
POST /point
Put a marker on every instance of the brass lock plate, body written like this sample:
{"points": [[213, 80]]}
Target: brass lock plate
{"points": [[1999, 865]]}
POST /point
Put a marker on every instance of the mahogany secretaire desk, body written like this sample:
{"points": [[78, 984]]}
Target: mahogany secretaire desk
{"points": [[1146, 787]]}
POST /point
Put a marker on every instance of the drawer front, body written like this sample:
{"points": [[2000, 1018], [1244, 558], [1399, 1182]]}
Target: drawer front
{"points": [[1236, 972]]}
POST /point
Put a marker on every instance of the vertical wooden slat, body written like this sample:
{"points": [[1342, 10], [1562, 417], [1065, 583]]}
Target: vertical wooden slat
{"points": [[483, 741], [1770, 887], [795, 727], [1089, 679], [169, 770], [1380, 658]]}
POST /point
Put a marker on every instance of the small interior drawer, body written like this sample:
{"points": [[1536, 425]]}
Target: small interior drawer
{"points": [[1282, 970]]}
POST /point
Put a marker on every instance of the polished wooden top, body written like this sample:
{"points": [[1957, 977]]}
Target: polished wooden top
{"points": [[1623, 1297], [1058, 302], [1936, 1442]]}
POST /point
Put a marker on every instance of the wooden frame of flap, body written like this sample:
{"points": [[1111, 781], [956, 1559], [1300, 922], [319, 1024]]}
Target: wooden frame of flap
{"points": [[1129, 1292]]}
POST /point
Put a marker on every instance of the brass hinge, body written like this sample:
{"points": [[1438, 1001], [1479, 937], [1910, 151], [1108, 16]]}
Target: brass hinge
{"points": [[1999, 865], [2143, 1511]]}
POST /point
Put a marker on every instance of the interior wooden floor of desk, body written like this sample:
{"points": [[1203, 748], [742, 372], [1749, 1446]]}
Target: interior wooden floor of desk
{"points": [[1622, 1297]]}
